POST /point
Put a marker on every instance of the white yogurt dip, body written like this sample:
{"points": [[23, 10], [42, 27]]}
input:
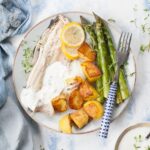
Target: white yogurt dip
{"points": [[54, 82]]}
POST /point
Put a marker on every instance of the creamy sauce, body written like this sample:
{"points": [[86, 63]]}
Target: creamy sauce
{"points": [[54, 82]]}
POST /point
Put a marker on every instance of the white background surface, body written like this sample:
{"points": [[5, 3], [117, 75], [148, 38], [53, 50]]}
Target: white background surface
{"points": [[139, 107]]}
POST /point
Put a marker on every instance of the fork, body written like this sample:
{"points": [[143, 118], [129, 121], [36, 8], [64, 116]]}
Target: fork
{"points": [[121, 57]]}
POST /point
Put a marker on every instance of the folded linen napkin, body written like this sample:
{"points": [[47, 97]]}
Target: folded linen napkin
{"points": [[15, 17]]}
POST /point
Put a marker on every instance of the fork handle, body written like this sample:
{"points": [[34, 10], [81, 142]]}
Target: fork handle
{"points": [[109, 106]]}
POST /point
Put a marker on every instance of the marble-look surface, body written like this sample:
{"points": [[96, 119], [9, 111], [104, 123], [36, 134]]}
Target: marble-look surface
{"points": [[139, 106]]}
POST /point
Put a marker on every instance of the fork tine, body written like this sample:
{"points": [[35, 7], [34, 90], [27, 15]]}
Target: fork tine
{"points": [[127, 46], [126, 42], [120, 39], [129, 41], [123, 42]]}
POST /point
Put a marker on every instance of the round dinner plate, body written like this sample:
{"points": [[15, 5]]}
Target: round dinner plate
{"points": [[134, 136], [20, 77]]}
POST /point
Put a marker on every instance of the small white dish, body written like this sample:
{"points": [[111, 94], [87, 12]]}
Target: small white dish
{"points": [[134, 138]]}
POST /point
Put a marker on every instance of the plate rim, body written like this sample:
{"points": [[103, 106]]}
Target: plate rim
{"points": [[128, 129], [13, 76]]}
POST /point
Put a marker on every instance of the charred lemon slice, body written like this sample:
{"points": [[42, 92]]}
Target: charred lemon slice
{"points": [[72, 35]]}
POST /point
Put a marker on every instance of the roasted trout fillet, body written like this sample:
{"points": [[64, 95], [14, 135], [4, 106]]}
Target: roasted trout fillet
{"points": [[49, 51], [46, 52]]}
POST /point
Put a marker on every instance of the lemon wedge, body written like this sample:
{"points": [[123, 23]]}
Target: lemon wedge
{"points": [[72, 35], [70, 53]]}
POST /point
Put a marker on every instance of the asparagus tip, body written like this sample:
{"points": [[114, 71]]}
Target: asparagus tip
{"points": [[98, 18], [84, 20]]}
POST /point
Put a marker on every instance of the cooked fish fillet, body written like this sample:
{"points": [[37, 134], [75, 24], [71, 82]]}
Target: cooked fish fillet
{"points": [[42, 40], [49, 51]]}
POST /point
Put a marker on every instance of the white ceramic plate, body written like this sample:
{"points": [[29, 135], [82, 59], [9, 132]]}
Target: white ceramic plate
{"points": [[134, 136], [20, 77]]}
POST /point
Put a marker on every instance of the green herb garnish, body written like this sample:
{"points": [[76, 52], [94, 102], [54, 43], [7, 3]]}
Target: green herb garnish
{"points": [[147, 17], [136, 147], [42, 148], [133, 21], [146, 10], [143, 27], [131, 74], [138, 138], [144, 48], [111, 20], [26, 62]]}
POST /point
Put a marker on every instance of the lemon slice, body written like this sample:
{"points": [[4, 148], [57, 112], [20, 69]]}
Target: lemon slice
{"points": [[70, 53], [72, 35]]}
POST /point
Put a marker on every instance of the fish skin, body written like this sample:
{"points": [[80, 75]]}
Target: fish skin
{"points": [[43, 39]]}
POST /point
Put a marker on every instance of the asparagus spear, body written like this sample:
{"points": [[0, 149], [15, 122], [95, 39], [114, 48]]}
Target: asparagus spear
{"points": [[123, 85], [99, 83], [102, 50], [122, 81], [111, 73], [88, 27]]}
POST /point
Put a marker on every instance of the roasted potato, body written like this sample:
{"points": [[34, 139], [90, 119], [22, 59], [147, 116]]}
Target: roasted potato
{"points": [[59, 103], [87, 91], [78, 79], [86, 52], [65, 124], [80, 118], [74, 81], [75, 100], [94, 109], [91, 71]]}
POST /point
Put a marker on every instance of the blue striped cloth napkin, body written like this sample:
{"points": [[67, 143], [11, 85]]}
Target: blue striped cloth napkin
{"points": [[15, 18]]}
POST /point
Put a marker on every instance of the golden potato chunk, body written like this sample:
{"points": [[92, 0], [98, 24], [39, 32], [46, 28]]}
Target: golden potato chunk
{"points": [[94, 109], [87, 91], [59, 103], [74, 82], [80, 118], [75, 100], [86, 52], [91, 71], [65, 124]]}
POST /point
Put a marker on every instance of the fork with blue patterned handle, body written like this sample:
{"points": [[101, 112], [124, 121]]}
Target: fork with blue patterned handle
{"points": [[122, 56]]}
